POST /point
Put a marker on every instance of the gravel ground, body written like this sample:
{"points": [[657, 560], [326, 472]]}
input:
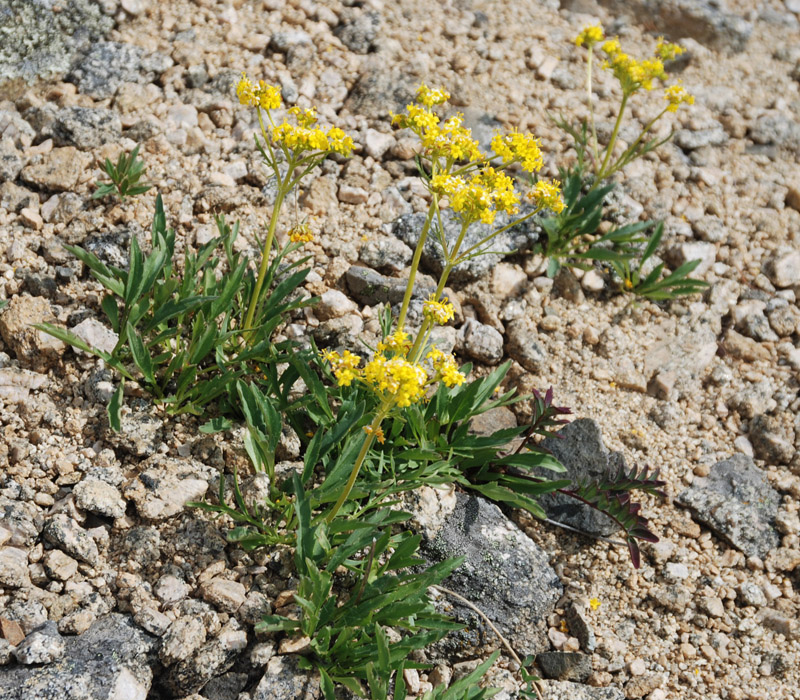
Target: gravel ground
{"points": [[713, 610]]}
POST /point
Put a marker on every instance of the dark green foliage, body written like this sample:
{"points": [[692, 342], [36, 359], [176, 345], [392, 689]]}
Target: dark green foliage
{"points": [[179, 329], [125, 177]]}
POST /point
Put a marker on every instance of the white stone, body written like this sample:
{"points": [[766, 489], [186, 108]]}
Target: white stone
{"points": [[377, 143], [333, 304]]}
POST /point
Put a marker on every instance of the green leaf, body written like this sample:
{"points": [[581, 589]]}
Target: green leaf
{"points": [[109, 306], [141, 356], [133, 286], [216, 425], [115, 408]]}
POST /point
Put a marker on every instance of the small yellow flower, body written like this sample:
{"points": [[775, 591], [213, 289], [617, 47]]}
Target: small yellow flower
{"points": [[438, 311], [676, 95], [398, 343], [594, 603], [431, 96], [262, 95], [667, 51], [344, 366], [521, 148], [589, 36], [564, 627], [445, 368], [547, 195], [301, 233]]}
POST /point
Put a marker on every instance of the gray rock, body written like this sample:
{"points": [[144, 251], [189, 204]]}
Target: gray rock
{"points": [[143, 544], [182, 639], [359, 33], [96, 335], [85, 127], [567, 286], [99, 497], [14, 568], [41, 43], [521, 345], [13, 198], [480, 342], [112, 248], [16, 384], [750, 593], [565, 665], [776, 129], [771, 440], [737, 503], [518, 238], [56, 171], [386, 253], [43, 646], [704, 20], [226, 687], [579, 447], [108, 64], [370, 287], [756, 326], [504, 573], [141, 433], [783, 268], [23, 520], [690, 140], [61, 209], [579, 626], [165, 485], [213, 659], [30, 614], [784, 320], [99, 386], [10, 160], [63, 532], [107, 662], [285, 681], [564, 690]]}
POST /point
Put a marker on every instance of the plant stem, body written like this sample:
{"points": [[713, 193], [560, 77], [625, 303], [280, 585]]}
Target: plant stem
{"points": [[412, 275], [595, 152], [368, 440], [262, 270], [610, 148]]}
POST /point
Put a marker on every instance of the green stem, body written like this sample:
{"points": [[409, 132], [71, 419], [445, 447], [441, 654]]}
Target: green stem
{"points": [[630, 148], [610, 148], [498, 232], [412, 275], [595, 152], [262, 270], [368, 440]]}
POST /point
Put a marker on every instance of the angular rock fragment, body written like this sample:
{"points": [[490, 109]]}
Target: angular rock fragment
{"points": [[505, 574], [737, 503], [110, 661]]}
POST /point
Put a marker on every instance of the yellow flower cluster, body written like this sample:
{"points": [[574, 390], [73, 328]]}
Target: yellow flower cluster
{"points": [[391, 375], [547, 195], [344, 366], [632, 74], [301, 138], [301, 234], [676, 95], [258, 95], [480, 197], [377, 432], [445, 368], [517, 147], [448, 139], [438, 311], [589, 36], [398, 380], [398, 343], [666, 51], [431, 96]]}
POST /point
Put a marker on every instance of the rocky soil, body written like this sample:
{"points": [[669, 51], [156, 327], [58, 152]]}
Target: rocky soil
{"points": [[110, 588]]}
